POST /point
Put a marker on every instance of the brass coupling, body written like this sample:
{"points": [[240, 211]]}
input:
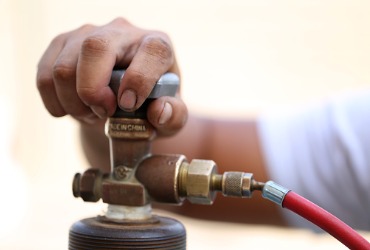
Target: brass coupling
{"points": [[171, 179], [166, 179]]}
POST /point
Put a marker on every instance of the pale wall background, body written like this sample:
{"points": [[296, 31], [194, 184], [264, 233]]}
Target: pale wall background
{"points": [[238, 58]]}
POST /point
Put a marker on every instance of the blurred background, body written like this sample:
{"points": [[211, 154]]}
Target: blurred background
{"points": [[238, 58]]}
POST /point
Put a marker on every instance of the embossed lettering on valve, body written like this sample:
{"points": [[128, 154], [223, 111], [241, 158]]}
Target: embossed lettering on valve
{"points": [[129, 128]]}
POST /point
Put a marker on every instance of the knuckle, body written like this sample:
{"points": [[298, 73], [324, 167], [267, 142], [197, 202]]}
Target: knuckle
{"points": [[87, 94], [157, 46], [44, 80], [94, 46], [63, 71], [86, 27], [58, 39], [137, 76], [141, 82], [120, 21]]}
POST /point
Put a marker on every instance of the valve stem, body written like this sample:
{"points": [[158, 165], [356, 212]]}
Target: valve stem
{"points": [[257, 185]]}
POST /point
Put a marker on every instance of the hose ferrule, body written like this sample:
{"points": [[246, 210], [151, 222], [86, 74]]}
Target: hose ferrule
{"points": [[274, 192]]}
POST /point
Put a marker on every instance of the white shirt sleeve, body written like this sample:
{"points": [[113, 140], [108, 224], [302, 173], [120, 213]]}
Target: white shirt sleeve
{"points": [[323, 154]]}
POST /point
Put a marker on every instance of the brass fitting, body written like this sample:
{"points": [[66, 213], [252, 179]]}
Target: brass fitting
{"points": [[199, 182], [137, 177], [171, 179], [130, 135], [130, 141], [165, 179], [237, 184], [160, 176], [196, 181], [87, 186]]}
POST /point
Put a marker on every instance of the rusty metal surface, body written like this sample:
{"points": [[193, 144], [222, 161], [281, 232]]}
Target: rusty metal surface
{"points": [[159, 173], [98, 233], [130, 136], [124, 193], [88, 185]]}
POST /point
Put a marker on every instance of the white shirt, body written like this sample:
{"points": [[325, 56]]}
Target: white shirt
{"points": [[323, 154]]}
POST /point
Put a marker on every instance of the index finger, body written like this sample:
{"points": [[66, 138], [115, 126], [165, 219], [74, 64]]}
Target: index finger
{"points": [[100, 52], [153, 58]]}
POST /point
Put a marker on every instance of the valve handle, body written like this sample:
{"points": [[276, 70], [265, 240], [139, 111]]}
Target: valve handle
{"points": [[167, 85]]}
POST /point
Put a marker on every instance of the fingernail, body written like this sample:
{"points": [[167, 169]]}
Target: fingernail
{"points": [[99, 111], [166, 114], [128, 100]]}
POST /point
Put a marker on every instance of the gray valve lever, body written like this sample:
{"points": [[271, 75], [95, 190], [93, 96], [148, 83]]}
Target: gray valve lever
{"points": [[167, 85]]}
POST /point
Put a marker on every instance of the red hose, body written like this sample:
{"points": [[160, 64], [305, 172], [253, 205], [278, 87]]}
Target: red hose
{"points": [[325, 220]]}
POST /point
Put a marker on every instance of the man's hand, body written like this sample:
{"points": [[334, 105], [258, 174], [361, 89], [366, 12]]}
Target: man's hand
{"points": [[75, 70]]}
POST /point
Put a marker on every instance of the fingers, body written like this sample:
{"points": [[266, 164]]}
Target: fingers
{"points": [[147, 55], [109, 46], [74, 73], [154, 57], [56, 77], [64, 75], [45, 82], [168, 115]]}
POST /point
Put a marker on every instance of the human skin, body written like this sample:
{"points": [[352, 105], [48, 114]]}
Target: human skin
{"points": [[73, 76]]}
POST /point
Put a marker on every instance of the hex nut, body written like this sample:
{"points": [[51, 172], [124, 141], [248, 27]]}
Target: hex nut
{"points": [[199, 181], [90, 185], [76, 185], [247, 185]]}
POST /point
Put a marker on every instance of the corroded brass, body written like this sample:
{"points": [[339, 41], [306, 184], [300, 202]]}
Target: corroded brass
{"points": [[100, 233], [129, 128], [87, 186], [159, 174], [136, 176], [130, 141], [166, 179], [128, 223], [124, 193]]}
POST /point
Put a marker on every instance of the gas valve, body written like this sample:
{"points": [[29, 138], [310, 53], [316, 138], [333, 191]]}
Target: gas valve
{"points": [[128, 222], [137, 177], [130, 136]]}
